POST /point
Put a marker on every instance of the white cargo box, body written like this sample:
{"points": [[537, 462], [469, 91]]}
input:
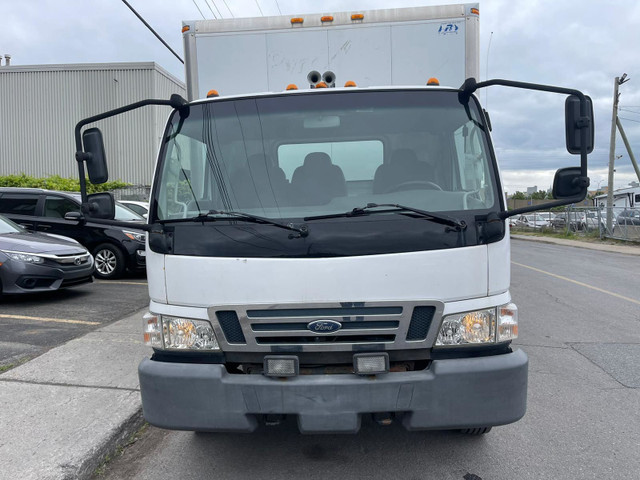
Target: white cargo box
{"points": [[403, 46]]}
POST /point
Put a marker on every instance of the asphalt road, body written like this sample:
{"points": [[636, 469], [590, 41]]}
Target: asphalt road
{"points": [[32, 324], [580, 324]]}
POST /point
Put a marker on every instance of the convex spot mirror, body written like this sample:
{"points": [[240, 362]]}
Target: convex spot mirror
{"points": [[568, 183], [96, 160], [100, 205], [574, 122]]}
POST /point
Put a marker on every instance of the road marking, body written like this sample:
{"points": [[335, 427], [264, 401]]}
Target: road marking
{"points": [[107, 282], [45, 319], [586, 285]]}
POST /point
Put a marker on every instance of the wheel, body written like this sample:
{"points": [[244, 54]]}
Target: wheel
{"points": [[414, 184], [476, 431], [109, 261]]}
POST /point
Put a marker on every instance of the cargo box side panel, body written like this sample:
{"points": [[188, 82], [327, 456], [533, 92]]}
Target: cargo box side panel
{"points": [[362, 55], [424, 50], [292, 55], [232, 64]]}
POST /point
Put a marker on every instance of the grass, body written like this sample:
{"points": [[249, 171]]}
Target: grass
{"points": [[133, 438]]}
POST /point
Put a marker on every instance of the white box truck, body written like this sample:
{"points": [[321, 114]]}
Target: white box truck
{"points": [[328, 253]]}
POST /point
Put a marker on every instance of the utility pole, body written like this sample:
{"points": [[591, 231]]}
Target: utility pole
{"points": [[628, 146], [612, 149]]}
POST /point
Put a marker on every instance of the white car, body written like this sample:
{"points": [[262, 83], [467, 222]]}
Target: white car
{"points": [[141, 208], [532, 220]]}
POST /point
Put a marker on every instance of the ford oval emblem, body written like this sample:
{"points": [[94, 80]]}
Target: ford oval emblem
{"points": [[324, 326]]}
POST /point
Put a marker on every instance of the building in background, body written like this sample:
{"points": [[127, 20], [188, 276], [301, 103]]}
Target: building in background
{"points": [[41, 104]]}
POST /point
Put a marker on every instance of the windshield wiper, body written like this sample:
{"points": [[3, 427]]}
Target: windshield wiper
{"points": [[301, 230], [395, 208]]}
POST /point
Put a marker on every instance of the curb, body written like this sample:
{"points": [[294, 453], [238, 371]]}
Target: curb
{"points": [[623, 249], [104, 452]]}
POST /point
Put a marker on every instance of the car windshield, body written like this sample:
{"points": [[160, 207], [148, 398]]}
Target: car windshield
{"points": [[7, 226], [314, 154]]}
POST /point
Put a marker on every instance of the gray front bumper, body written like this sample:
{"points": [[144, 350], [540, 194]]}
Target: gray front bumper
{"points": [[450, 394]]}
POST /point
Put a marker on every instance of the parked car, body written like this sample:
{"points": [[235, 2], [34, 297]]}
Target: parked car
{"points": [[39, 262], [141, 208], [576, 219], [629, 217], [532, 220], [115, 249]]}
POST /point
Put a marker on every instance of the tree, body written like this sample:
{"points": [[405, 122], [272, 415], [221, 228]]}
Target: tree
{"points": [[519, 196]]}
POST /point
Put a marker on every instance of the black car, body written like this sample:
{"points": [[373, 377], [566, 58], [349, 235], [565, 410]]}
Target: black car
{"points": [[39, 262], [115, 249]]}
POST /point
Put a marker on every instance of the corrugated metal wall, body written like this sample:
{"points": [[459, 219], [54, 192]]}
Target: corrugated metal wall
{"points": [[40, 105]]}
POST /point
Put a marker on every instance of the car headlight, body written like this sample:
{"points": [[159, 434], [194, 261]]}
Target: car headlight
{"points": [[490, 325], [177, 333], [137, 236], [23, 257]]}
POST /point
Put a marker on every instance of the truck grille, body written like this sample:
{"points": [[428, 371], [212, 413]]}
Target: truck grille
{"points": [[353, 326]]}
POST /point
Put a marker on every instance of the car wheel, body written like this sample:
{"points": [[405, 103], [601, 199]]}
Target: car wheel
{"points": [[476, 431], [109, 261]]}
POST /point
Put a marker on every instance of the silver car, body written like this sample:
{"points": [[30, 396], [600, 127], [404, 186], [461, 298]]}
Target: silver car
{"points": [[39, 262]]}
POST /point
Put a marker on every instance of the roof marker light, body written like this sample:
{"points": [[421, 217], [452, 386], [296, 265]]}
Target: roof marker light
{"points": [[292, 86], [357, 16], [297, 20], [433, 81], [326, 18], [186, 28], [321, 85], [350, 83], [475, 11], [212, 94]]}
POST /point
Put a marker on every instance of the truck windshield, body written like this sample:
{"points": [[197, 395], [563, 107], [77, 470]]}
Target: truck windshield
{"points": [[318, 153]]}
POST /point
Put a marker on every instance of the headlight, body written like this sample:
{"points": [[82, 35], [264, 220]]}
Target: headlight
{"points": [[137, 236], [23, 257], [176, 333], [490, 325]]}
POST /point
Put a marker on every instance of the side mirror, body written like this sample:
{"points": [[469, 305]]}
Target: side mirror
{"points": [[569, 182], [574, 123], [100, 205], [96, 160], [75, 216]]}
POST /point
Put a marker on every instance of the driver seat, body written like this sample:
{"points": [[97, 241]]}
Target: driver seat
{"points": [[403, 167]]}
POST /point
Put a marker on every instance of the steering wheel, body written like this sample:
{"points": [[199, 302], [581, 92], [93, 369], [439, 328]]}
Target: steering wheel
{"points": [[414, 184]]}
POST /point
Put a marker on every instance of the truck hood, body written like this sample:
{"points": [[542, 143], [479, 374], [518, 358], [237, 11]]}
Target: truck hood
{"points": [[444, 275]]}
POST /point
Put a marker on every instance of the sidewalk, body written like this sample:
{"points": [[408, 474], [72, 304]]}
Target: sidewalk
{"points": [[63, 412], [603, 247]]}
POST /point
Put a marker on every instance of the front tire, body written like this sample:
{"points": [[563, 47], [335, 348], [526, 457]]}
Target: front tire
{"points": [[109, 261], [476, 431]]}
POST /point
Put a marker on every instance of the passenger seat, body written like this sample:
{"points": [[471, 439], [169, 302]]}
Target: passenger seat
{"points": [[317, 181]]}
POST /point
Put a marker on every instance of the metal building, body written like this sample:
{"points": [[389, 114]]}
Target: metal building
{"points": [[41, 104]]}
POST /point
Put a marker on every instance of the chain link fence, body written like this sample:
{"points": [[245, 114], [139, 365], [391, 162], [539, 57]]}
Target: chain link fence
{"points": [[133, 192], [582, 221]]}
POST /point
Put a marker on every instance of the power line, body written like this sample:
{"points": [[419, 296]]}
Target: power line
{"points": [[225, 4], [279, 11], [152, 30], [261, 14], [217, 9], [629, 119], [194, 2], [212, 13]]}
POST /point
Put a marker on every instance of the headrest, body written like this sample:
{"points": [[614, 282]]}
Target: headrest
{"points": [[317, 159]]}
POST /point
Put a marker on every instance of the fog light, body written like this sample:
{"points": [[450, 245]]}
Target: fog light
{"points": [[280, 366], [370, 363]]}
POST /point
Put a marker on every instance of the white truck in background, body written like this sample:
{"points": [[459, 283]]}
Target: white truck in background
{"points": [[328, 253]]}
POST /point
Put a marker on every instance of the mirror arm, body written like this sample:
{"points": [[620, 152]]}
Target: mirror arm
{"points": [[176, 102], [544, 206]]}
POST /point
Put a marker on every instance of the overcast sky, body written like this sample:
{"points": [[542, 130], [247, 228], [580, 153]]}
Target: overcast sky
{"points": [[578, 44]]}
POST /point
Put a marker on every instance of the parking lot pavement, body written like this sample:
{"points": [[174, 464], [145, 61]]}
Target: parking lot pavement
{"points": [[32, 324], [65, 411]]}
